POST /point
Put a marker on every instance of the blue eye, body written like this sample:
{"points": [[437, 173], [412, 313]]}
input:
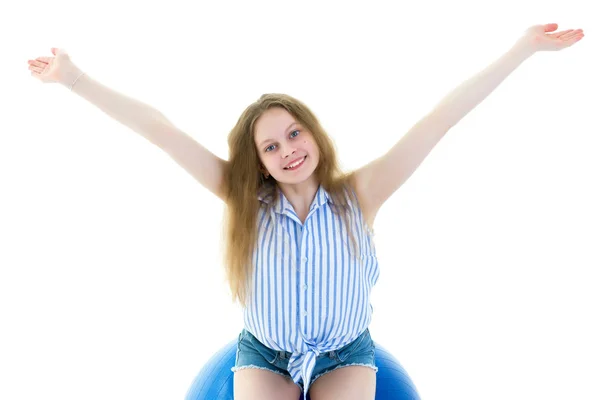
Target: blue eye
{"points": [[297, 130]]}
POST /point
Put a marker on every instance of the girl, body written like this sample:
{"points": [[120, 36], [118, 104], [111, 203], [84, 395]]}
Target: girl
{"points": [[299, 254]]}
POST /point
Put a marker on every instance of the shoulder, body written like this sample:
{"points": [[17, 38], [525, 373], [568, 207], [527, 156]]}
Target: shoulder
{"points": [[359, 187]]}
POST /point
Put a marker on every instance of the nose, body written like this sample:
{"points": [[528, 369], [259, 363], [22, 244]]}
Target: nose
{"points": [[287, 152]]}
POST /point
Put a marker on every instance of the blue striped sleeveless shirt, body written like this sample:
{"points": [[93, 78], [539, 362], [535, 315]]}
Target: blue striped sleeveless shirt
{"points": [[309, 294]]}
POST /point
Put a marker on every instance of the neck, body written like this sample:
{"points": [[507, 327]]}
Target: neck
{"points": [[300, 194]]}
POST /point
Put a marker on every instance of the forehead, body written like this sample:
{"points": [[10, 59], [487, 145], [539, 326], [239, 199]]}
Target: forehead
{"points": [[272, 123]]}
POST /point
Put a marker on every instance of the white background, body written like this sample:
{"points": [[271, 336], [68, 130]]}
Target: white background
{"points": [[111, 283]]}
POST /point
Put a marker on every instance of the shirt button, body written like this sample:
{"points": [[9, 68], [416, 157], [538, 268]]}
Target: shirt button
{"points": [[304, 313], [304, 259], [305, 287]]}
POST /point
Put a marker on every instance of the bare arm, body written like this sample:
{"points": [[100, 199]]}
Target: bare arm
{"points": [[378, 180], [204, 166], [130, 112]]}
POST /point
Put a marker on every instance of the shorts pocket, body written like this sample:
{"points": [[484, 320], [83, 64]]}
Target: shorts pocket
{"points": [[241, 337], [355, 347], [269, 355], [273, 357]]}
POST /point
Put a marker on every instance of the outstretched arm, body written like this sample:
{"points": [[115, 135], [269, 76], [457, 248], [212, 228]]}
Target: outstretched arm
{"points": [[378, 180], [204, 166], [469, 94]]}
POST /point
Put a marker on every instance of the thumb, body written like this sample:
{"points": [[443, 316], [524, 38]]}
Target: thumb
{"points": [[58, 51]]}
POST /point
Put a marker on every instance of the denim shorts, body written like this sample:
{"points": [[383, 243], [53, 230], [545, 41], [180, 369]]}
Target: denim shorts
{"points": [[253, 354]]}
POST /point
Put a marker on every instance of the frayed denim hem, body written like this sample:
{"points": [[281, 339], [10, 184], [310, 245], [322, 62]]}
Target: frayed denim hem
{"points": [[300, 385], [374, 368], [235, 369]]}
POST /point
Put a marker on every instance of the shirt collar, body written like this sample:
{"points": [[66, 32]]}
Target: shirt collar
{"points": [[265, 195]]}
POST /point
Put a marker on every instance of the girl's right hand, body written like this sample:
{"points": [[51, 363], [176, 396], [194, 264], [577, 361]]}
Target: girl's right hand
{"points": [[58, 69]]}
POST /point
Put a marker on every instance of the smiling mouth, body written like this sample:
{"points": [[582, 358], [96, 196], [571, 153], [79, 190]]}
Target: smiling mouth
{"points": [[300, 162]]}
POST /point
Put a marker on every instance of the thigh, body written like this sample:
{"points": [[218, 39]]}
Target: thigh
{"points": [[262, 384], [348, 382], [256, 377], [352, 377]]}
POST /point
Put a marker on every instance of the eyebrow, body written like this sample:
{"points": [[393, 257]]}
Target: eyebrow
{"points": [[266, 140]]}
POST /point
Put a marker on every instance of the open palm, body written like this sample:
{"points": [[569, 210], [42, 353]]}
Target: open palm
{"points": [[50, 69], [539, 38]]}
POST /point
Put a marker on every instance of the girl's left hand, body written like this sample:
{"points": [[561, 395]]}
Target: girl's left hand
{"points": [[537, 38]]}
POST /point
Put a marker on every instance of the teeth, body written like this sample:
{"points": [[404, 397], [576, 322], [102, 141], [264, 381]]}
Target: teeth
{"points": [[295, 164]]}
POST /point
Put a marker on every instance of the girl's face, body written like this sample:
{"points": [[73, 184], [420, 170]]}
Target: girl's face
{"points": [[282, 142]]}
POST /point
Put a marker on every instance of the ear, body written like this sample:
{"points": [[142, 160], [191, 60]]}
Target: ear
{"points": [[263, 171]]}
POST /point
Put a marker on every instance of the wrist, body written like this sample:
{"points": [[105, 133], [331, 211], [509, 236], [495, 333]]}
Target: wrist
{"points": [[523, 49], [70, 75]]}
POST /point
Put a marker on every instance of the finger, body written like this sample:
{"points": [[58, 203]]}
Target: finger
{"points": [[570, 35], [578, 37], [37, 63], [559, 34], [36, 69], [576, 31], [563, 43]]}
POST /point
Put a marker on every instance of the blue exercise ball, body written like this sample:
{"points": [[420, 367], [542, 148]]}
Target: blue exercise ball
{"points": [[215, 380]]}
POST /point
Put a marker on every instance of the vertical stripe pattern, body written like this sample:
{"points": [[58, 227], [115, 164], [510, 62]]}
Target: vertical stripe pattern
{"points": [[310, 292]]}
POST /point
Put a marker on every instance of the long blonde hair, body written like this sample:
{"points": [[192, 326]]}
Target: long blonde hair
{"points": [[243, 180]]}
